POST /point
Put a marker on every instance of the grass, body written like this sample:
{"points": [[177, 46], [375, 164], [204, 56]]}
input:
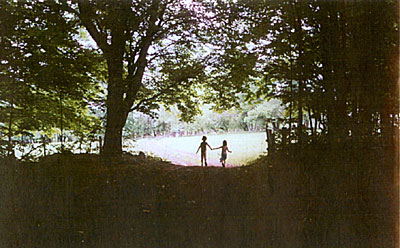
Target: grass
{"points": [[90, 201]]}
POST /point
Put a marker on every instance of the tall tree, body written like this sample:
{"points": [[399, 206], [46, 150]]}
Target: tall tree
{"points": [[136, 37]]}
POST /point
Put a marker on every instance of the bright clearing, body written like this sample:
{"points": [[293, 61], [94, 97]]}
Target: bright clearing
{"points": [[182, 150]]}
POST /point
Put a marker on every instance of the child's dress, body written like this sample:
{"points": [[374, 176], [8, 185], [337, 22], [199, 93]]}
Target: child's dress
{"points": [[223, 153]]}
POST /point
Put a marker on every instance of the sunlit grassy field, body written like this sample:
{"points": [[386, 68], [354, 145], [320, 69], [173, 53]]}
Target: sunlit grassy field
{"points": [[182, 150]]}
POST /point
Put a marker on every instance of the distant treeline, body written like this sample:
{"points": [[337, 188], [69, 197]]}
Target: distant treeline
{"points": [[249, 118]]}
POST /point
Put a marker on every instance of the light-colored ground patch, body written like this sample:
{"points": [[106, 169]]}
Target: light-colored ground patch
{"points": [[182, 150]]}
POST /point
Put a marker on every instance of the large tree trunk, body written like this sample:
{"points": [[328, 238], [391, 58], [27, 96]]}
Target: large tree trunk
{"points": [[112, 39], [113, 135], [116, 109]]}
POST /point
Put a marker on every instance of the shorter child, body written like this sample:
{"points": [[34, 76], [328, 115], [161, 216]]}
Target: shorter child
{"points": [[224, 148], [203, 147]]}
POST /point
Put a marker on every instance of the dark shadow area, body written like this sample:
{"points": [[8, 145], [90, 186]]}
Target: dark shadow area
{"points": [[289, 199]]}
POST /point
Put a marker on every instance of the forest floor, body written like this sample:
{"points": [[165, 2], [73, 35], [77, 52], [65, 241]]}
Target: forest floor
{"points": [[90, 201]]}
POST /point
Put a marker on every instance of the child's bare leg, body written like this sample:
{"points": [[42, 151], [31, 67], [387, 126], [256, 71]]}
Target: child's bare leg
{"points": [[204, 157]]}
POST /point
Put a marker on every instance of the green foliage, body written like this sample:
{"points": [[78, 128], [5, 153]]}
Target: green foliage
{"points": [[150, 50], [46, 78], [176, 80], [322, 60], [232, 59]]}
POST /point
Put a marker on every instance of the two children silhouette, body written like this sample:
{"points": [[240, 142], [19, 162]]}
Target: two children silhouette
{"points": [[203, 146]]}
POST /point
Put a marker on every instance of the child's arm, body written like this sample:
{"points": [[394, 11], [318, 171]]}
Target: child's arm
{"points": [[198, 149], [228, 150], [210, 146], [218, 148]]}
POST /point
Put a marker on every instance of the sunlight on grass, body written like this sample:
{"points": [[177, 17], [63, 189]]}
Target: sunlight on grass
{"points": [[182, 150]]}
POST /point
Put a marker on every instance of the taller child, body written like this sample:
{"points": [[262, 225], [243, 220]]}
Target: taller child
{"points": [[203, 147]]}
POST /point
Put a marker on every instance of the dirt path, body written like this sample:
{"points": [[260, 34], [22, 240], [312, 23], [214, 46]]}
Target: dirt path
{"points": [[186, 158]]}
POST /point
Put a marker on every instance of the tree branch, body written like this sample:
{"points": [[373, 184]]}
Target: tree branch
{"points": [[131, 62], [141, 62], [140, 103], [86, 17]]}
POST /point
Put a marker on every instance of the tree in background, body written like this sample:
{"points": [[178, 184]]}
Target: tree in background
{"points": [[263, 114], [249, 118]]}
